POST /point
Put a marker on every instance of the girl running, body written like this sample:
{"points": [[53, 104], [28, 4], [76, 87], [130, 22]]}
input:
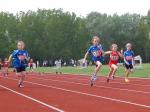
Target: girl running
{"points": [[97, 56], [31, 64], [128, 60], [0, 63], [5, 67], [19, 60], [114, 57]]}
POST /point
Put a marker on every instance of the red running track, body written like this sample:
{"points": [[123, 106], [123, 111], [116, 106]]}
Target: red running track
{"points": [[72, 93]]}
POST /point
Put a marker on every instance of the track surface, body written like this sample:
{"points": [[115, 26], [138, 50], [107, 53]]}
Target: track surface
{"points": [[72, 93]]}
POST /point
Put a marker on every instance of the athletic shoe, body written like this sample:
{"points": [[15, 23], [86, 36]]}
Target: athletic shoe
{"points": [[94, 77], [127, 80], [92, 83], [108, 80], [20, 86], [113, 77]]}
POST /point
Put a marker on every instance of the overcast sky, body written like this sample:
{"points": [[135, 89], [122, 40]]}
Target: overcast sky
{"points": [[80, 7]]}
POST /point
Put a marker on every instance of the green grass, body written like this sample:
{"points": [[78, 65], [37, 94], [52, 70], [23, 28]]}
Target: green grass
{"points": [[144, 72]]}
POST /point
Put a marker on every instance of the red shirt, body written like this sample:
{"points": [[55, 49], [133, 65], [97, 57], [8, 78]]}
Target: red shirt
{"points": [[114, 57], [5, 64], [31, 63]]}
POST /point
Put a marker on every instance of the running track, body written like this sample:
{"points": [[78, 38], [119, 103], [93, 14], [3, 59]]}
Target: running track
{"points": [[72, 93]]}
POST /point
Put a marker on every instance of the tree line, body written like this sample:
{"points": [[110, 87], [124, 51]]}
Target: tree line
{"points": [[55, 34]]}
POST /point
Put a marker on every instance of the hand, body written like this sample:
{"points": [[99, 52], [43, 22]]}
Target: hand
{"points": [[83, 61], [121, 51], [127, 63], [133, 64]]}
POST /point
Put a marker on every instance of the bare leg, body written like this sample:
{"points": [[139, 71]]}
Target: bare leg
{"points": [[115, 67], [98, 66], [126, 75], [109, 75], [22, 77]]}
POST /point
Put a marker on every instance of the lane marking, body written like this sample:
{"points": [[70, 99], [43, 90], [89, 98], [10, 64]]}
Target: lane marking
{"points": [[87, 94], [100, 81], [94, 85], [33, 99], [148, 78]]}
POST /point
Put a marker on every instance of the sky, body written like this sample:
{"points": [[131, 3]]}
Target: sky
{"points": [[80, 7]]}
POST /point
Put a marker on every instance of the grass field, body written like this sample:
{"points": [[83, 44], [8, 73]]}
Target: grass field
{"points": [[144, 72]]}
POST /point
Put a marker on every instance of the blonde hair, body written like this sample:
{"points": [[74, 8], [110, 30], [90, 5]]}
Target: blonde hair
{"points": [[21, 42], [128, 44], [113, 45]]}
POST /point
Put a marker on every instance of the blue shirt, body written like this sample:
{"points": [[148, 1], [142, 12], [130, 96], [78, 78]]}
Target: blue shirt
{"points": [[96, 52], [19, 58], [128, 55]]}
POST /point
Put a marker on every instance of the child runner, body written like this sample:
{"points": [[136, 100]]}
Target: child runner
{"points": [[97, 56], [128, 59], [113, 61], [5, 67], [0, 63], [19, 60], [31, 64]]}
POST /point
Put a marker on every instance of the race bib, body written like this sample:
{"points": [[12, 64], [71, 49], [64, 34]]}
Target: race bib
{"points": [[21, 57]]}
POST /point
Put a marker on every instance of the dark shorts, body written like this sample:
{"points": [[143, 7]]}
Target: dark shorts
{"points": [[20, 69], [129, 66], [0, 66]]}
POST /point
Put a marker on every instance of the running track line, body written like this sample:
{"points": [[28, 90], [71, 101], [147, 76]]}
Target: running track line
{"points": [[87, 94], [86, 76], [89, 75], [94, 85], [33, 99], [99, 81]]}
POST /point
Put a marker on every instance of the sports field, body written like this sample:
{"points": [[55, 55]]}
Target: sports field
{"points": [[143, 72]]}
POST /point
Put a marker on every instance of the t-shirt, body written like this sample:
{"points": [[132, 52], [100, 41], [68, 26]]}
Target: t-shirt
{"points": [[19, 58], [96, 52], [128, 55]]}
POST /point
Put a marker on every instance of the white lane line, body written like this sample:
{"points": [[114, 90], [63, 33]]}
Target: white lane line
{"points": [[102, 81], [87, 77], [65, 74], [130, 90], [33, 99], [87, 94]]}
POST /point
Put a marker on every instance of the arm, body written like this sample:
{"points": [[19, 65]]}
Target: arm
{"points": [[120, 54], [126, 61], [9, 59], [85, 56], [27, 57], [107, 52], [133, 62]]}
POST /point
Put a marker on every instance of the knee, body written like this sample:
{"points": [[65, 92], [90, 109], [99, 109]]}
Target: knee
{"points": [[115, 68], [99, 65]]}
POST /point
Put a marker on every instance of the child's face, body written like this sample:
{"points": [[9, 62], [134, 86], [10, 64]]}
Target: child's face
{"points": [[95, 41], [129, 46], [20, 45], [114, 48]]}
